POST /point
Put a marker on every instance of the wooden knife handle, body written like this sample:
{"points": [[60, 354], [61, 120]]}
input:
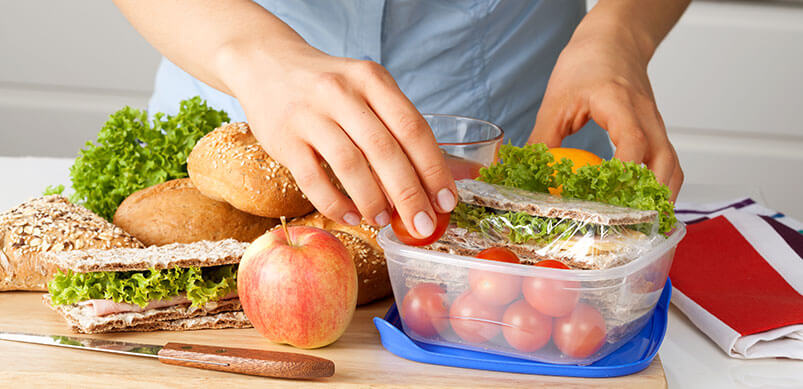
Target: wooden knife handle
{"points": [[247, 361]]}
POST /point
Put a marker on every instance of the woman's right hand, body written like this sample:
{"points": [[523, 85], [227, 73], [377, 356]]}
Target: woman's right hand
{"points": [[306, 107]]}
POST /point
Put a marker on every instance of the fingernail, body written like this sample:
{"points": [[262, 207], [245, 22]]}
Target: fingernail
{"points": [[446, 200], [423, 224], [351, 218], [383, 218]]}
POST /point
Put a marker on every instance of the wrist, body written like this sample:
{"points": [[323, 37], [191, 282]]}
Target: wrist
{"points": [[242, 64], [628, 40]]}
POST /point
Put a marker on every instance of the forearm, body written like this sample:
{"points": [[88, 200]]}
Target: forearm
{"points": [[208, 38], [642, 23]]}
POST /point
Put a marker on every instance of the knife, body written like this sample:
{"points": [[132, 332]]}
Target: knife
{"points": [[229, 359]]}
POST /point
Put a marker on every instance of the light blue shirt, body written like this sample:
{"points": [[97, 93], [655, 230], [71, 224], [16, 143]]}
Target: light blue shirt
{"points": [[488, 59]]}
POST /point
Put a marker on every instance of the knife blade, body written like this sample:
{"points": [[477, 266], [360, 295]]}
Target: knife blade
{"points": [[235, 360]]}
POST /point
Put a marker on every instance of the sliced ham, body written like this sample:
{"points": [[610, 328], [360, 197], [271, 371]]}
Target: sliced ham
{"points": [[108, 307]]}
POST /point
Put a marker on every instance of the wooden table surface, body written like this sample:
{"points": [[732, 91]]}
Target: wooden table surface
{"points": [[359, 359]]}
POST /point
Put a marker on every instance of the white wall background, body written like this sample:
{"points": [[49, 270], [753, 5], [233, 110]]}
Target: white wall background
{"points": [[728, 80]]}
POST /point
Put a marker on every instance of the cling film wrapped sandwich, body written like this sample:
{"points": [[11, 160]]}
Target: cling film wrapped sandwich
{"points": [[537, 226]]}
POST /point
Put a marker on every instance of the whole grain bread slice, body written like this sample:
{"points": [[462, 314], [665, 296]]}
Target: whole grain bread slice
{"points": [[203, 253], [82, 319], [545, 205]]}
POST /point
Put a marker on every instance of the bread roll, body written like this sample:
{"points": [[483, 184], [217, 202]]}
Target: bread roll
{"points": [[49, 224], [369, 258], [176, 212], [229, 165]]}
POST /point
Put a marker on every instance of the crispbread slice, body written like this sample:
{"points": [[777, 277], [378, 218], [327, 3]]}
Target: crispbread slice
{"points": [[203, 253], [545, 205], [82, 318], [236, 319]]}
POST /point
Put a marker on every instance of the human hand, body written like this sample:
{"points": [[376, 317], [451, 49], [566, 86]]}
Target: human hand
{"points": [[604, 77], [306, 107]]}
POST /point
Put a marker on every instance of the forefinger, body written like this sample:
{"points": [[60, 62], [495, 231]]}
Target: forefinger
{"points": [[416, 139]]}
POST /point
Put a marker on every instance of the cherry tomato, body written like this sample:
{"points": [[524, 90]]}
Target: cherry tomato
{"points": [[527, 330], [401, 231], [580, 333], [552, 263], [423, 310], [550, 296], [492, 288], [462, 168], [474, 321], [501, 254]]}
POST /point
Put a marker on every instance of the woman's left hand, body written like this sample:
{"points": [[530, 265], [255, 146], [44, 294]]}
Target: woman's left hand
{"points": [[604, 77]]}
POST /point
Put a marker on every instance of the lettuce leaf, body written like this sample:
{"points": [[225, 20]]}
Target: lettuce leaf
{"points": [[201, 285], [620, 183], [614, 182], [522, 167], [131, 153], [517, 227], [53, 190]]}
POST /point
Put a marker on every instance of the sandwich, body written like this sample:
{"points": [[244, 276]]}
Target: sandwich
{"points": [[173, 287], [537, 226]]}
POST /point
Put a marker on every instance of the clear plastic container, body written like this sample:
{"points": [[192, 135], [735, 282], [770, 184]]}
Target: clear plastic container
{"points": [[488, 306]]}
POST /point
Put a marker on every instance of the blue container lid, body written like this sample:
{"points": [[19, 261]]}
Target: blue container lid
{"points": [[632, 357]]}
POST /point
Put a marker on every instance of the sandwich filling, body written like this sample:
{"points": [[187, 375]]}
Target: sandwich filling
{"points": [[137, 291]]}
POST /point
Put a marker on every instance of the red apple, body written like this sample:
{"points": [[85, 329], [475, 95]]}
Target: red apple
{"points": [[298, 286]]}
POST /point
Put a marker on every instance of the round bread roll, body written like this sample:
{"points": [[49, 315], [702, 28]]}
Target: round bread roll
{"points": [[229, 165], [369, 258], [176, 212]]}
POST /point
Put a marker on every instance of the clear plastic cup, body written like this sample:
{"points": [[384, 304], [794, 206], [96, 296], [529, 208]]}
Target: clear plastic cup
{"points": [[469, 143]]}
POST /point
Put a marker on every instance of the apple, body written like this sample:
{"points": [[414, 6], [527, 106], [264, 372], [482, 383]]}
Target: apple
{"points": [[298, 286]]}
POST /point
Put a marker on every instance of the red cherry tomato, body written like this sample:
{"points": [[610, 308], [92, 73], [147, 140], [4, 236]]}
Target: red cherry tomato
{"points": [[580, 333], [501, 254], [462, 168], [424, 311], [492, 288], [552, 263], [527, 330], [401, 231], [550, 296], [474, 321]]}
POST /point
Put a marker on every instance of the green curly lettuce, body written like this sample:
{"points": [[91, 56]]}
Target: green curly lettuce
{"points": [[132, 153], [525, 167], [620, 183], [53, 190], [517, 227], [201, 285], [613, 182]]}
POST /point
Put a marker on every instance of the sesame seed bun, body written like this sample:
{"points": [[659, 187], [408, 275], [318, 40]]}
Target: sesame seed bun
{"points": [[369, 259], [228, 164]]}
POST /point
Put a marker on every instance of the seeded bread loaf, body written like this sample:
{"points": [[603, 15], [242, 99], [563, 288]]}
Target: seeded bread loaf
{"points": [[228, 164], [45, 225], [176, 212], [369, 258]]}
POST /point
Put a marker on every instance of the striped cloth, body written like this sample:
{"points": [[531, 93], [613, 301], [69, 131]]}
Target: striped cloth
{"points": [[691, 213], [738, 276]]}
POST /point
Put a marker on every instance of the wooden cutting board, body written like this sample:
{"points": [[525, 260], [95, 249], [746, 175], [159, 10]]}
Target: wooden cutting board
{"points": [[360, 360]]}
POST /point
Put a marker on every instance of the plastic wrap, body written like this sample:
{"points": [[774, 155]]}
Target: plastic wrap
{"points": [[536, 226]]}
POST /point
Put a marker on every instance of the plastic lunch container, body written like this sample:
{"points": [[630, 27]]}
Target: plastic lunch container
{"points": [[624, 296]]}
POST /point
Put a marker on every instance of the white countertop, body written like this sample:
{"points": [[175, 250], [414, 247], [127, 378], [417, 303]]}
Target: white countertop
{"points": [[689, 358]]}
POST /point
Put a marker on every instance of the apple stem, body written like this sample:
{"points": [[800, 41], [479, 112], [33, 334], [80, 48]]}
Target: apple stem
{"points": [[286, 232]]}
